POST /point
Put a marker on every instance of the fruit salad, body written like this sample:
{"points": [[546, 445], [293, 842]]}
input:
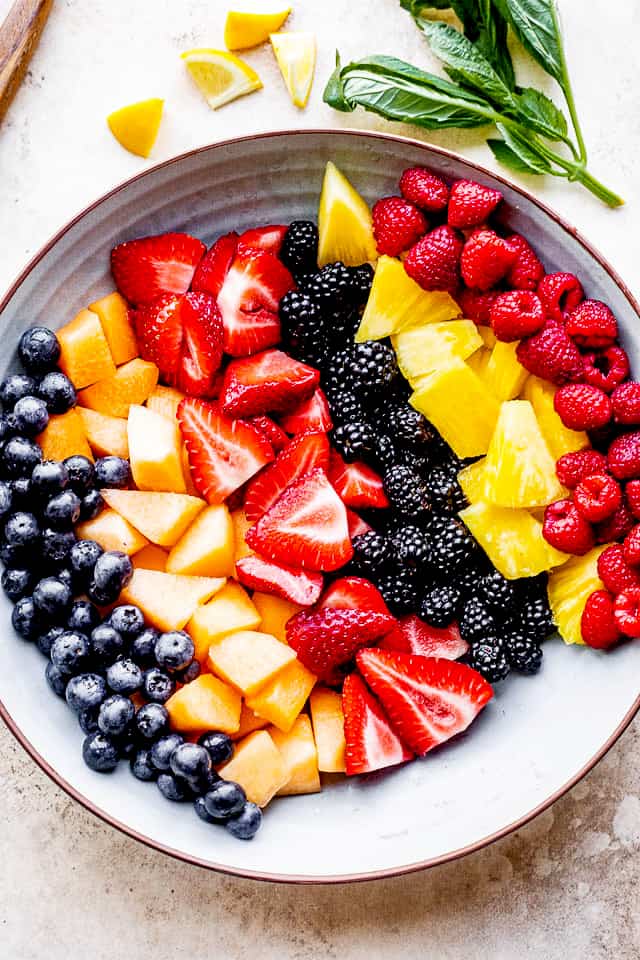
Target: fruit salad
{"points": [[294, 503]]}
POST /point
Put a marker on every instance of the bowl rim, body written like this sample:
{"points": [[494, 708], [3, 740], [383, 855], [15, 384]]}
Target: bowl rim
{"points": [[389, 872]]}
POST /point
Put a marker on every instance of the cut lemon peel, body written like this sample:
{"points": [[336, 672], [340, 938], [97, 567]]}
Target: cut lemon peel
{"points": [[220, 76]]}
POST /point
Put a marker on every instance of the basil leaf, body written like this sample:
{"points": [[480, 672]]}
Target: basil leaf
{"points": [[333, 92], [536, 110], [525, 150], [535, 24], [393, 67], [506, 156]]}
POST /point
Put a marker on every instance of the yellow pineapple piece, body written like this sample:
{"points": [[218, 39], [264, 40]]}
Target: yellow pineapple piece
{"points": [[275, 613], [151, 557], [328, 729], [560, 439], [249, 721], [258, 766], [64, 436], [161, 517], [155, 451], [85, 356], [206, 549], [488, 336], [479, 362], [298, 749], [112, 532], [206, 703], [423, 350], [165, 401], [504, 373], [131, 383], [344, 222], [282, 698], [116, 326], [169, 600], [248, 659], [230, 610], [569, 588], [107, 436], [471, 480], [240, 527]]}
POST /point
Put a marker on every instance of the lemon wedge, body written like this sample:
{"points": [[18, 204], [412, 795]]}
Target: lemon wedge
{"points": [[136, 126], [220, 76], [296, 56], [249, 27]]}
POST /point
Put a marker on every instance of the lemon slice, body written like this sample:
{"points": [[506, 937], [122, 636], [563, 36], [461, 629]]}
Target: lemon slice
{"points": [[220, 76], [136, 126], [296, 56], [249, 27]]}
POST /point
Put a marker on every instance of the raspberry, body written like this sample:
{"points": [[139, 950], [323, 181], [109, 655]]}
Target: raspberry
{"points": [[551, 354], [433, 261], [573, 467], [582, 407], [625, 401], [560, 294], [476, 305], [485, 259], [623, 457], [423, 188], [516, 314], [632, 495], [592, 324], [397, 224], [606, 369], [598, 623], [616, 527], [565, 529], [631, 546], [470, 203], [597, 497], [626, 612], [527, 271], [614, 571]]}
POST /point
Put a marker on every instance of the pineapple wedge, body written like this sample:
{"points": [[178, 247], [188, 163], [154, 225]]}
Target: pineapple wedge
{"points": [[344, 222], [488, 336], [471, 481], [569, 588], [478, 362], [423, 350], [560, 439], [505, 375]]}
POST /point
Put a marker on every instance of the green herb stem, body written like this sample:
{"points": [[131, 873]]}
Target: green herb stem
{"points": [[567, 90]]}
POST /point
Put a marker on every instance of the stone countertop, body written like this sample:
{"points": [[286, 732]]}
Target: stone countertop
{"points": [[563, 887]]}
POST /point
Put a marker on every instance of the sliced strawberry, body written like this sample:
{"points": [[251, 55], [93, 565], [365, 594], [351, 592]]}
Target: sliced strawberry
{"points": [[413, 635], [150, 267], [357, 525], [306, 527], [215, 265], [274, 434], [356, 484], [326, 639], [427, 699], [223, 453], [267, 381], [371, 744], [311, 414], [354, 593], [265, 238], [300, 456], [298, 586]]}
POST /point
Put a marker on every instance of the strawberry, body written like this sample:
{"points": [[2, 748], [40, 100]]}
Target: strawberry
{"points": [[358, 526], [223, 453], [434, 260], [215, 265], [485, 259], [265, 238], [298, 586], [371, 743], [428, 699], [301, 455], [326, 639], [306, 527], [471, 203], [182, 335], [274, 434], [149, 267], [354, 593], [397, 225], [357, 484], [413, 635], [311, 414], [267, 381]]}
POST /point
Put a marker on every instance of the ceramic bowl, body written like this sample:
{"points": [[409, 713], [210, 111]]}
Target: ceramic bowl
{"points": [[535, 739]]}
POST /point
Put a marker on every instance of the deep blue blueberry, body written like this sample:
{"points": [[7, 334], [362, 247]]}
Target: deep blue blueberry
{"points": [[45, 640], [52, 598], [91, 505], [48, 478], [6, 498], [201, 810], [113, 472], [163, 748], [157, 685], [81, 473], [124, 676], [85, 691], [111, 574], [66, 575], [83, 616], [70, 652], [21, 494], [16, 582], [115, 715], [141, 766], [57, 391], [30, 416], [191, 762], [192, 672], [127, 620], [172, 788], [152, 721], [56, 679], [219, 746], [39, 350], [19, 456], [246, 824], [25, 619], [56, 546], [107, 644], [174, 650], [100, 753], [82, 558], [13, 556], [143, 647], [225, 799], [88, 720], [15, 386], [63, 510], [21, 529]]}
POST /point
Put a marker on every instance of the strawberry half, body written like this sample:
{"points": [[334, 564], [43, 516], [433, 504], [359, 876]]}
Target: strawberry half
{"points": [[274, 434], [223, 454], [371, 743], [311, 414], [306, 527], [183, 337], [354, 593], [215, 265], [357, 525], [298, 586], [300, 456], [413, 635], [265, 238], [326, 639], [356, 484], [267, 381], [428, 700], [150, 267]]}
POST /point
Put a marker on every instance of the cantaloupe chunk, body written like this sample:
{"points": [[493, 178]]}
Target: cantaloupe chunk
{"points": [[161, 517], [112, 532], [300, 755], [165, 401], [258, 766], [85, 356], [249, 721], [64, 436], [155, 451], [168, 600], [207, 547], [240, 527], [131, 383], [206, 703], [275, 612], [281, 699], [328, 729], [114, 317], [107, 436], [151, 557], [248, 659], [230, 610]]}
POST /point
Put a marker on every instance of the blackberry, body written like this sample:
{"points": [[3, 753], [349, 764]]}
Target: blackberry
{"points": [[399, 590], [411, 546], [499, 594], [303, 326], [476, 621], [361, 280], [372, 552], [330, 287], [345, 406], [337, 372], [418, 464], [408, 427], [535, 618], [355, 440], [524, 654], [468, 580], [489, 659], [440, 605], [299, 251], [444, 490], [451, 546], [372, 367], [341, 325], [385, 452], [407, 491]]}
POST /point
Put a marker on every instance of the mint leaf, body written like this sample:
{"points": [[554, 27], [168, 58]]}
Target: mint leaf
{"points": [[541, 113], [333, 92], [508, 158], [525, 150], [535, 24]]}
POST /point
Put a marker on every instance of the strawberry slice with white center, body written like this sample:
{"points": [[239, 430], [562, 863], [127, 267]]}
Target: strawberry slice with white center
{"points": [[300, 456], [354, 593], [427, 699], [267, 381], [356, 484], [357, 526], [371, 743], [150, 267], [311, 414], [306, 527], [274, 433], [223, 453], [299, 586], [265, 238], [413, 635], [325, 640], [215, 265]]}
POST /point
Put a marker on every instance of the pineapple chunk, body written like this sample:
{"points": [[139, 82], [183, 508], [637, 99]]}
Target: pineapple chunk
{"points": [[207, 547], [205, 704], [168, 600], [131, 383], [344, 222], [512, 539], [519, 470], [396, 301], [258, 766], [275, 613], [479, 362], [488, 336], [107, 436], [298, 749], [504, 373], [165, 401], [155, 451], [161, 517], [64, 436], [84, 352], [249, 721], [328, 729], [248, 659], [423, 350], [112, 532], [116, 326], [560, 439], [151, 557], [471, 480], [569, 588], [240, 527], [230, 610], [282, 698]]}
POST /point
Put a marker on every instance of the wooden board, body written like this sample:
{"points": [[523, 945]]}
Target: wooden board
{"points": [[19, 36]]}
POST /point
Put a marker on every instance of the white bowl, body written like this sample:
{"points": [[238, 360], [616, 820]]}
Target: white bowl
{"points": [[535, 739]]}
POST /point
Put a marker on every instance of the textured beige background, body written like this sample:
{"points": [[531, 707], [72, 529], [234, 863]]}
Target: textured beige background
{"points": [[564, 887]]}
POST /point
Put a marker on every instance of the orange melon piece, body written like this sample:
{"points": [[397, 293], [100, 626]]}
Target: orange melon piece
{"points": [[117, 328], [275, 612], [165, 401], [328, 729], [249, 721], [300, 755], [167, 600], [155, 451], [258, 766], [206, 549], [240, 527], [151, 557], [248, 659], [230, 610], [107, 436], [161, 517], [131, 383], [205, 704], [112, 532], [64, 436], [85, 356], [281, 700]]}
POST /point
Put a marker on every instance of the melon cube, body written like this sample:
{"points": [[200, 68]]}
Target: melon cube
{"points": [[206, 549], [151, 557], [205, 704], [230, 610], [112, 532], [240, 527], [131, 383], [64, 436], [257, 765], [275, 613], [85, 356], [161, 517], [328, 729], [248, 659], [117, 328], [300, 755], [155, 451], [168, 600], [281, 700], [165, 401], [107, 436], [249, 721]]}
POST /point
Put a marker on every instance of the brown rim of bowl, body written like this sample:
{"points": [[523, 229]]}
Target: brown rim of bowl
{"points": [[373, 874]]}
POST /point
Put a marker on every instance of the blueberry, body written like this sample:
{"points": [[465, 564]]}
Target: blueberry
{"points": [[113, 472], [19, 456], [91, 505], [115, 715], [190, 761], [246, 824], [100, 753], [52, 598], [225, 799], [48, 478], [124, 676], [83, 616], [13, 556], [82, 557], [88, 720], [152, 720], [14, 387], [173, 789], [21, 529], [201, 810], [126, 742], [21, 493], [143, 647], [107, 644], [141, 766], [45, 640], [157, 685], [111, 574], [57, 391], [65, 574], [6, 498], [127, 620], [16, 582], [56, 679], [163, 748], [30, 416], [81, 473], [219, 745], [39, 349], [190, 673], [26, 619], [63, 510], [56, 545], [85, 691], [174, 650], [70, 652]]}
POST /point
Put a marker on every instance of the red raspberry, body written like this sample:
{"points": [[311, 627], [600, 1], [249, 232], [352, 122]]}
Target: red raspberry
{"points": [[623, 456], [424, 189], [573, 467], [631, 546], [606, 369], [626, 612], [615, 527], [527, 271], [397, 224], [485, 259], [551, 354], [470, 203], [476, 305], [516, 314], [597, 497], [565, 529], [433, 261], [592, 324], [598, 623], [582, 407], [625, 401], [632, 494], [560, 293], [614, 571]]}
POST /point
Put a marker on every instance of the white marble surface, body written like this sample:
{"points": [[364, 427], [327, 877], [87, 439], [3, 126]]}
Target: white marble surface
{"points": [[564, 887]]}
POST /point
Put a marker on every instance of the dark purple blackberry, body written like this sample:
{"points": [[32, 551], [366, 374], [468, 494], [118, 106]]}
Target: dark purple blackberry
{"points": [[355, 440], [400, 590], [408, 427], [499, 594], [372, 552], [440, 605], [299, 251], [385, 453], [411, 546], [524, 654], [476, 621], [489, 659], [407, 491], [345, 406], [341, 326], [468, 580], [330, 287], [361, 280], [300, 316], [418, 464], [444, 490], [451, 546], [372, 367], [534, 618]]}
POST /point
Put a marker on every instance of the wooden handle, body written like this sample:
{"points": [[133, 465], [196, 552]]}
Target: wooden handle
{"points": [[19, 36]]}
